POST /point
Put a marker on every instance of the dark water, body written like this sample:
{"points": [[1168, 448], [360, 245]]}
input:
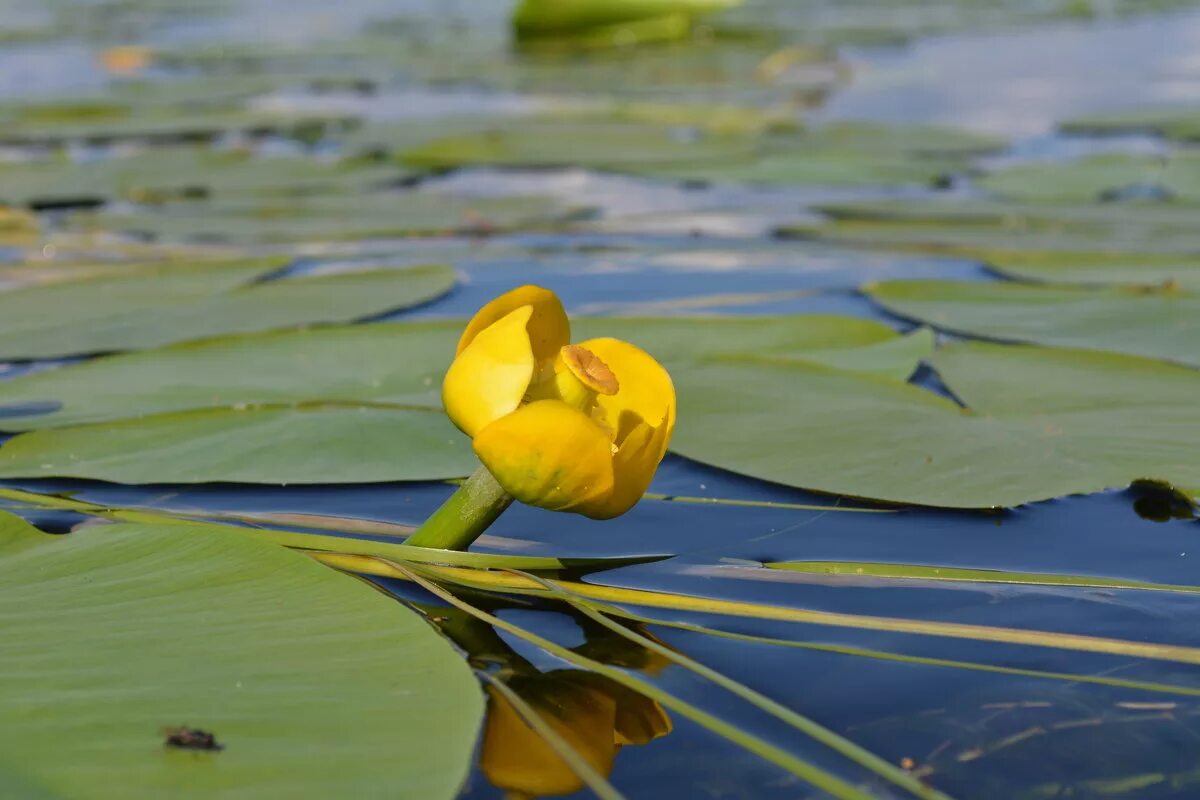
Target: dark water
{"points": [[973, 732]]}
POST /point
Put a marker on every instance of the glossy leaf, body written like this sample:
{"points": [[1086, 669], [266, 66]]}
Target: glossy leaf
{"points": [[128, 630], [1163, 323]]}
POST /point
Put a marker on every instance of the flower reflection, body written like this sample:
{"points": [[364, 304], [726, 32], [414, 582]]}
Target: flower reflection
{"points": [[594, 715]]}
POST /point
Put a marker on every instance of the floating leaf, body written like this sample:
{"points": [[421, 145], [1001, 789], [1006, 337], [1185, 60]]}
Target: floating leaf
{"points": [[848, 154], [1159, 324], [329, 217], [181, 174], [265, 444], [1182, 124], [148, 306], [130, 630], [116, 122], [359, 364], [942, 226], [1104, 177], [1094, 268], [337, 405], [1040, 423], [595, 145]]}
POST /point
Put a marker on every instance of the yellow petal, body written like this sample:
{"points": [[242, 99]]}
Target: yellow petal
{"points": [[548, 327], [489, 377], [646, 393], [550, 455], [634, 465]]}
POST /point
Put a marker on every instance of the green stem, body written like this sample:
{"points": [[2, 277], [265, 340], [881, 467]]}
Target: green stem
{"points": [[465, 516]]}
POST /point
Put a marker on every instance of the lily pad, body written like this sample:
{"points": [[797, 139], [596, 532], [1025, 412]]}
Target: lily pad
{"points": [[1039, 423], [595, 145], [128, 631], [1161, 323], [945, 226], [1096, 268], [359, 364], [182, 174], [104, 122], [338, 405], [329, 217], [149, 306], [315, 443], [1106, 177], [1181, 124]]}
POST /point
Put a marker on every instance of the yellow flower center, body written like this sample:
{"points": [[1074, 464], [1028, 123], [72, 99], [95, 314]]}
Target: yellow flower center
{"points": [[578, 377]]}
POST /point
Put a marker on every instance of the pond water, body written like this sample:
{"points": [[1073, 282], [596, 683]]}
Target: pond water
{"points": [[975, 719]]}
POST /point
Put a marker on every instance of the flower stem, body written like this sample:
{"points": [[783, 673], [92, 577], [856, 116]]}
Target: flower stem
{"points": [[465, 516]]}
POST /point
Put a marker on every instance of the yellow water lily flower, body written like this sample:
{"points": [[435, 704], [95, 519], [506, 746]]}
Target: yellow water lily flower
{"points": [[568, 427]]}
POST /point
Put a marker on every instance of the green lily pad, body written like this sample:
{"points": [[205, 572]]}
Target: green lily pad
{"points": [[1039, 423], [1094, 268], [848, 154], [1163, 323], [183, 174], [329, 217], [130, 630], [316, 443], [149, 306], [1099, 178], [158, 123], [358, 363], [615, 146], [338, 405], [1180, 124], [944, 226]]}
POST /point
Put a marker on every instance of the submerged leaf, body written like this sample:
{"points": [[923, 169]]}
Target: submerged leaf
{"points": [[129, 632]]}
